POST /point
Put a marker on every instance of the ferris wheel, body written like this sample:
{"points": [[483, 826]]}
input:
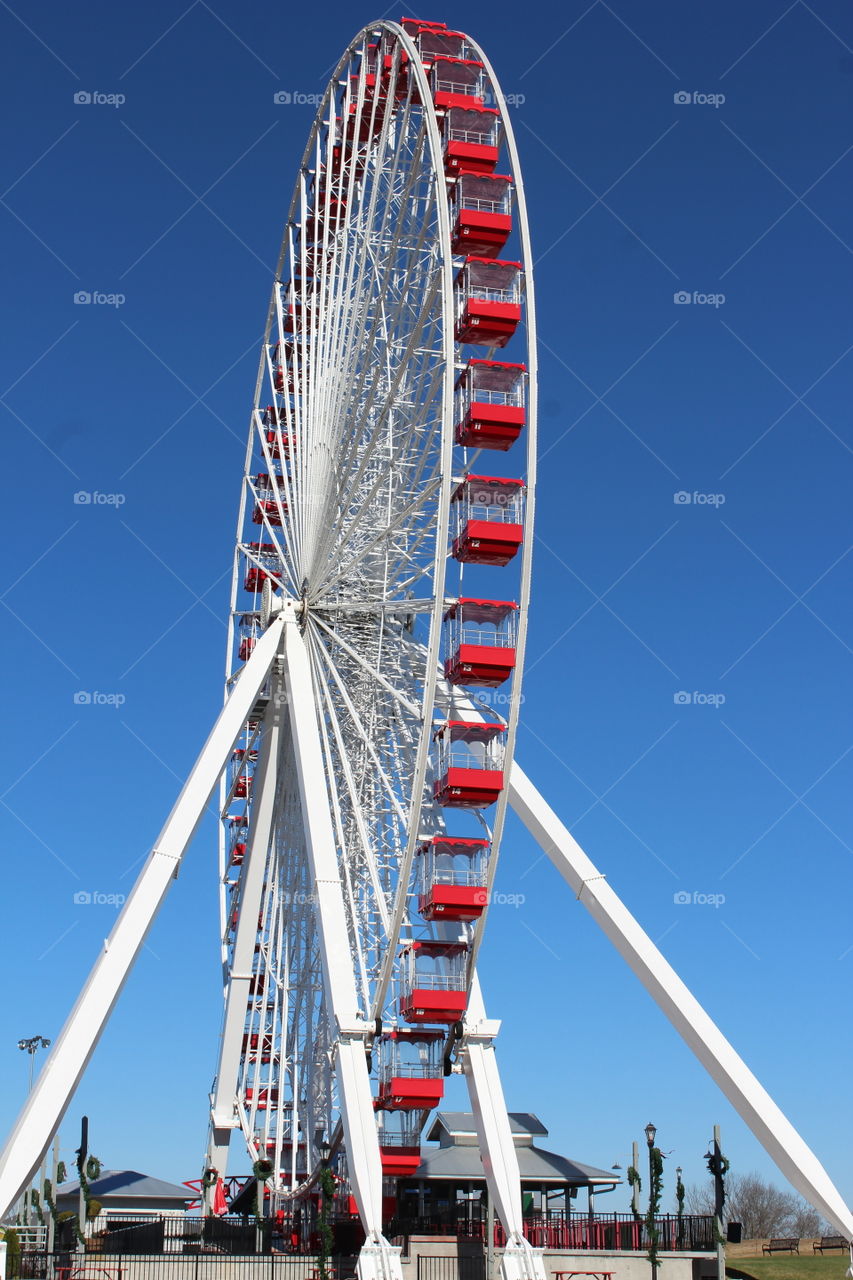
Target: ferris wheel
{"points": [[378, 617], [386, 516]]}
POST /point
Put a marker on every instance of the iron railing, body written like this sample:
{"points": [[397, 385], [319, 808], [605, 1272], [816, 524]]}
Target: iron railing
{"points": [[561, 1232], [166, 1266]]}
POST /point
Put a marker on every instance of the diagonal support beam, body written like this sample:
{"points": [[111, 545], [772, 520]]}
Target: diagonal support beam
{"points": [[751, 1101], [70, 1055], [378, 1260], [223, 1116], [520, 1261]]}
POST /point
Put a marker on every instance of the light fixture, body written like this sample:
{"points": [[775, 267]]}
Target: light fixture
{"points": [[650, 1132]]}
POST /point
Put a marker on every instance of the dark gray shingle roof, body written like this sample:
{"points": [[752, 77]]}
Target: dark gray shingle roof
{"points": [[523, 1122], [127, 1184], [535, 1165]]}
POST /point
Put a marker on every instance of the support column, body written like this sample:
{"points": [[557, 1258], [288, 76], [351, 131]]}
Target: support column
{"points": [[70, 1054], [752, 1102], [378, 1259], [500, 1160], [223, 1116]]}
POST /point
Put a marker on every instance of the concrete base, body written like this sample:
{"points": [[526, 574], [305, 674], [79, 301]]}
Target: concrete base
{"points": [[623, 1264]]}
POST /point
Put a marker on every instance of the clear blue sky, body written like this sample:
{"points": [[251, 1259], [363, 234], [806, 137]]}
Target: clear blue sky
{"points": [[175, 199]]}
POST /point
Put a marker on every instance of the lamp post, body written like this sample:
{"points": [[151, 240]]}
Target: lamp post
{"points": [[31, 1046], [650, 1132], [679, 1198], [717, 1166]]}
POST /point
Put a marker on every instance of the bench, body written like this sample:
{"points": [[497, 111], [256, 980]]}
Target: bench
{"points": [[782, 1244], [568, 1275], [830, 1242]]}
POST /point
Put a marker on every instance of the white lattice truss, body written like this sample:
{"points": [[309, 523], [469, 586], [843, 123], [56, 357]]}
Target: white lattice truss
{"points": [[334, 687]]}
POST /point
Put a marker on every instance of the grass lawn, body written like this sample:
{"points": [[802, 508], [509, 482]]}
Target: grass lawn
{"points": [[790, 1266]]}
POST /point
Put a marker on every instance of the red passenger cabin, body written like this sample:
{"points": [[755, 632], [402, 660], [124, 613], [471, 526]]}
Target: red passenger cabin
{"points": [[471, 139], [488, 512], [480, 213], [399, 1145], [239, 827], [262, 562], [490, 408], [270, 506], [469, 763], [452, 875], [265, 1097], [457, 82], [283, 361], [434, 40], [278, 442], [410, 1070], [433, 981], [241, 763], [257, 1048], [488, 301], [249, 628], [479, 641]]}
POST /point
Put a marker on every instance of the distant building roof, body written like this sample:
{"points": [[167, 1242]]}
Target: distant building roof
{"points": [[461, 1124], [458, 1154], [127, 1184]]}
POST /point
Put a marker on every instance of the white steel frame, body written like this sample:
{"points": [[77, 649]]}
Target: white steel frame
{"points": [[337, 699]]}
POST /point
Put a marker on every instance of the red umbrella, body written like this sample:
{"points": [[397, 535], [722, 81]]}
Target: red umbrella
{"points": [[219, 1205]]}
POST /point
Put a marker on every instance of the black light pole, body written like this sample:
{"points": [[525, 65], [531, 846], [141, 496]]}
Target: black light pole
{"points": [[31, 1046], [650, 1132]]}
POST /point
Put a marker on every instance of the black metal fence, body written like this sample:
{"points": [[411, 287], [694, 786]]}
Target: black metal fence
{"points": [[569, 1232], [176, 1266], [448, 1267]]}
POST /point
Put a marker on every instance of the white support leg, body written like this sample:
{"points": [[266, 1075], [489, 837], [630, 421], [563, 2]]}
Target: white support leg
{"points": [[223, 1116], [520, 1260], [754, 1105], [378, 1259], [69, 1056]]}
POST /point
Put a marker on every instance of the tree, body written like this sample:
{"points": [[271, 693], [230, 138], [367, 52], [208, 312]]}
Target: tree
{"points": [[762, 1209]]}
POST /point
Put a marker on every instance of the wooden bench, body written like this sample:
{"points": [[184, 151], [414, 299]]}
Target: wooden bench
{"points": [[568, 1275], [830, 1242], [782, 1244]]}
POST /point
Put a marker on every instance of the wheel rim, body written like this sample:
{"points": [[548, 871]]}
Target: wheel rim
{"points": [[346, 508]]}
